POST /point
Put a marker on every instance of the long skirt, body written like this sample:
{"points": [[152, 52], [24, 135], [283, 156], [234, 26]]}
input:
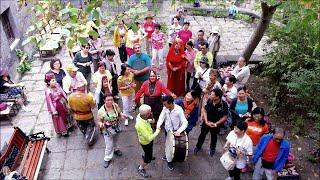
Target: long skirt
{"points": [[155, 102], [176, 82], [60, 122]]}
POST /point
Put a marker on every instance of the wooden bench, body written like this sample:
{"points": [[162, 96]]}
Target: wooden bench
{"points": [[24, 154]]}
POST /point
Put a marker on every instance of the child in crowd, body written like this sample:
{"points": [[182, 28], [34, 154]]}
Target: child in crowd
{"points": [[149, 27], [157, 40], [126, 87]]}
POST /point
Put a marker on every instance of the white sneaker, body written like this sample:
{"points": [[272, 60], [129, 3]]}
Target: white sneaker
{"points": [[229, 178], [126, 122], [26, 109]]}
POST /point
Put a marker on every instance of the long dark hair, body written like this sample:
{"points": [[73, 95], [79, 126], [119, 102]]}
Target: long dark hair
{"points": [[258, 110], [123, 69]]}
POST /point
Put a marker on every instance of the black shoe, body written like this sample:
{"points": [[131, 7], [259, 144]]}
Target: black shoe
{"points": [[143, 173], [153, 158], [164, 158], [118, 153], [196, 150], [170, 166], [211, 152], [106, 164], [65, 135]]}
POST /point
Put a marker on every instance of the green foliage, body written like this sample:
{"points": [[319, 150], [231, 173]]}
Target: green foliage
{"points": [[297, 123], [25, 61], [293, 61], [244, 18]]}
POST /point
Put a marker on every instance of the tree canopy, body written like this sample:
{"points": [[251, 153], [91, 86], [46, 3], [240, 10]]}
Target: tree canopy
{"points": [[293, 60]]}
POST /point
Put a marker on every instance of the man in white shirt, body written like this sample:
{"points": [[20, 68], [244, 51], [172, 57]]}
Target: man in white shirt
{"points": [[174, 118], [241, 72], [72, 77]]}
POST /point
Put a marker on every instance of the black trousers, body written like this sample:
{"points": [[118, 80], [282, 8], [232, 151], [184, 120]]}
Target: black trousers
{"points": [[204, 131], [147, 152], [84, 124], [122, 53], [114, 84], [188, 81], [235, 173]]}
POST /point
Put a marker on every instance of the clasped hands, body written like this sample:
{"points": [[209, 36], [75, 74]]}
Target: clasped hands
{"points": [[211, 124]]}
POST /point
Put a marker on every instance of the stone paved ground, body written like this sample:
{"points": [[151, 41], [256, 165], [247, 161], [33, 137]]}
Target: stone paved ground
{"points": [[71, 159]]}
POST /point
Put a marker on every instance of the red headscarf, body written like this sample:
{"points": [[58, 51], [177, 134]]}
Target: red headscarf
{"points": [[173, 56]]}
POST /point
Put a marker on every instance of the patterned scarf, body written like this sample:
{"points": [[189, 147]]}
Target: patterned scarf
{"points": [[188, 107]]}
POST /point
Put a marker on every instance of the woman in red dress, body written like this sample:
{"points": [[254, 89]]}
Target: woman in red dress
{"points": [[176, 67]]}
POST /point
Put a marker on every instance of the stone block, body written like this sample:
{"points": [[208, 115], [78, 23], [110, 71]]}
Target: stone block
{"points": [[58, 144], [75, 159], [95, 158], [44, 117], [76, 143], [36, 63], [25, 123], [27, 77], [54, 160], [50, 174], [48, 129], [73, 174], [97, 173], [39, 86]]}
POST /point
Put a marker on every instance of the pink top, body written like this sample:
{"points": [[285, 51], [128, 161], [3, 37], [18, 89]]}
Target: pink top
{"points": [[185, 35], [54, 95], [157, 40], [149, 28], [159, 90], [190, 56]]}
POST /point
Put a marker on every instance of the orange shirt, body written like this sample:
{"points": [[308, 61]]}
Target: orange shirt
{"points": [[256, 130], [81, 104]]}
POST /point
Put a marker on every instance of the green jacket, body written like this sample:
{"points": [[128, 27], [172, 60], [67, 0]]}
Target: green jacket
{"points": [[144, 131]]}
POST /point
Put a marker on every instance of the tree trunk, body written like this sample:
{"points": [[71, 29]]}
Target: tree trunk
{"points": [[267, 13]]}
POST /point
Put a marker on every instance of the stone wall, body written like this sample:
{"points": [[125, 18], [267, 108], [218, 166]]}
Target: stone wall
{"points": [[19, 21]]}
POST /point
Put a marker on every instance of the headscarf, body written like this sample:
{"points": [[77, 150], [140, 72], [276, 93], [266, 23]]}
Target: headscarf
{"points": [[172, 56]]}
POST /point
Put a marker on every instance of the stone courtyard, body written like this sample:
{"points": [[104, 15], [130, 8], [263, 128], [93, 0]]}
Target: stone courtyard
{"points": [[70, 158]]}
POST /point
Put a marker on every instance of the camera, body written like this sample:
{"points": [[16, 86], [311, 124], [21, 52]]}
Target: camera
{"points": [[116, 128], [233, 152]]}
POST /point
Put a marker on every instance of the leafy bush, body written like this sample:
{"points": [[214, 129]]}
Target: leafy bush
{"points": [[293, 61], [25, 61]]}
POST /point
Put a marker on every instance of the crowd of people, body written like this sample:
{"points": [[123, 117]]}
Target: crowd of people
{"points": [[197, 91]]}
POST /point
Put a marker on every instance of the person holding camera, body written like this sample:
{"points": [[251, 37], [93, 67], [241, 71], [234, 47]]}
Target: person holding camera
{"points": [[109, 116], [239, 145]]}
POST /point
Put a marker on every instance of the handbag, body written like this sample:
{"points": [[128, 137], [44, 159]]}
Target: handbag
{"points": [[227, 161], [3, 106]]}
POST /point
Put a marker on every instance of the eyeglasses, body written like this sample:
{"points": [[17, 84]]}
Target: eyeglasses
{"points": [[87, 47], [202, 62], [203, 48]]}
